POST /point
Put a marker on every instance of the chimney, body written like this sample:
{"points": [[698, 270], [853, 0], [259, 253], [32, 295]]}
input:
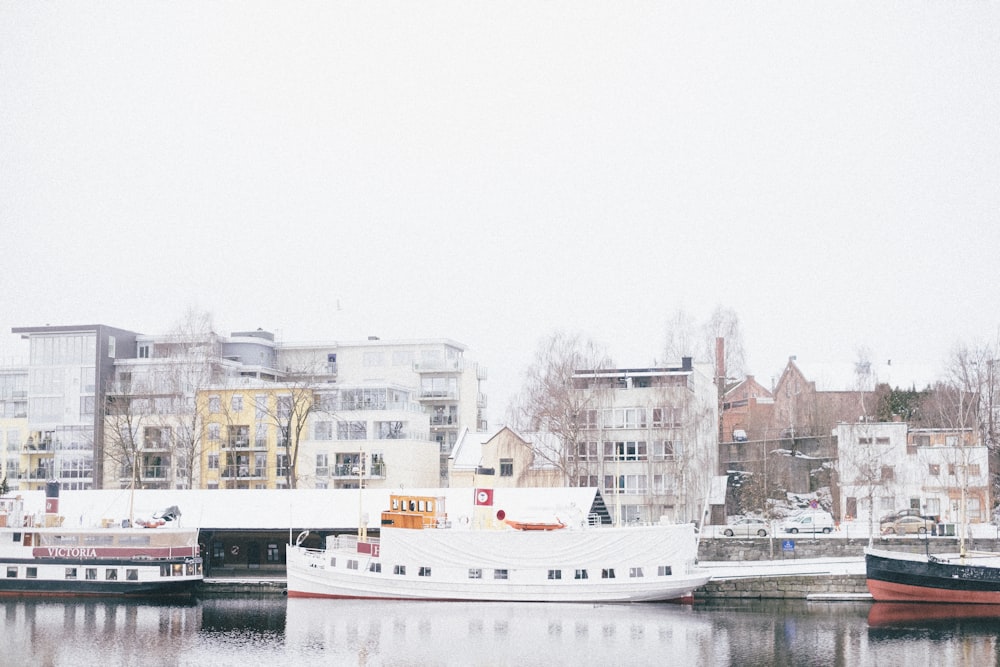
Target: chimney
{"points": [[686, 363], [720, 358]]}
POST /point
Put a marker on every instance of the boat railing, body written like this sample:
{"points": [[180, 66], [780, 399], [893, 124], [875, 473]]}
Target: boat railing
{"points": [[349, 542]]}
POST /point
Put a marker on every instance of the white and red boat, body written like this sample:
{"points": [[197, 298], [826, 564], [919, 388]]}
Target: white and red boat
{"points": [[39, 556], [420, 555]]}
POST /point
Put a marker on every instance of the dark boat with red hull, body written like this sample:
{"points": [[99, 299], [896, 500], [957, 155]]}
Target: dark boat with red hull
{"points": [[904, 577]]}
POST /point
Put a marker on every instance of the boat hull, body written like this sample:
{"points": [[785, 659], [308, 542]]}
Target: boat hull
{"points": [[909, 578]]}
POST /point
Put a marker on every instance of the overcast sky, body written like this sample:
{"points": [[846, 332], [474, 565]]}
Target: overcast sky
{"points": [[494, 172]]}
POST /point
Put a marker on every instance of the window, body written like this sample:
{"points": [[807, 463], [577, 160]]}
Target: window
{"points": [[399, 569], [395, 430], [352, 430], [663, 450], [214, 431], [260, 406], [555, 574], [323, 430], [424, 572], [475, 573], [500, 574], [322, 465], [864, 441], [214, 405], [352, 564], [973, 469], [375, 567], [506, 467], [213, 461], [580, 574], [90, 574], [143, 351], [934, 469], [12, 572], [951, 469], [71, 573], [31, 572], [237, 403], [588, 419], [608, 573], [663, 571], [586, 451], [634, 572], [131, 574], [111, 574], [882, 440], [888, 473]]}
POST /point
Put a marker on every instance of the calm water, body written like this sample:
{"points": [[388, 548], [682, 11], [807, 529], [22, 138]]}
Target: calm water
{"points": [[276, 631]]}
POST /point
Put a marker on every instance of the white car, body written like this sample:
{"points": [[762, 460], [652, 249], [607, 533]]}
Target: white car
{"points": [[747, 526], [809, 522]]}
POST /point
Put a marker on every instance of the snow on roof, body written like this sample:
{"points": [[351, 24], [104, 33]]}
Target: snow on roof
{"points": [[282, 509]]}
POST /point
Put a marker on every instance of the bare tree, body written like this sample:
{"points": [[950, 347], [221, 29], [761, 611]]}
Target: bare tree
{"points": [[681, 339], [124, 408], [725, 323], [294, 402], [550, 403]]}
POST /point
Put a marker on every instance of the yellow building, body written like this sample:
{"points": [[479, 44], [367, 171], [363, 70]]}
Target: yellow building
{"points": [[502, 459], [251, 434]]}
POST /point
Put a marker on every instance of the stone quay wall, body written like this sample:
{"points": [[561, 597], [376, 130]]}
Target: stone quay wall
{"points": [[790, 587], [767, 548]]}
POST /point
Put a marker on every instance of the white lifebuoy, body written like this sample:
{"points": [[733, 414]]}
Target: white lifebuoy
{"points": [[235, 550], [482, 497]]}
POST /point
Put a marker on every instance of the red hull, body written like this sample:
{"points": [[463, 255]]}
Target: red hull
{"points": [[885, 591]]}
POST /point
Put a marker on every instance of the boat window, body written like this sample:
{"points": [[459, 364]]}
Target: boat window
{"points": [[421, 506], [608, 573], [165, 570], [178, 569], [430, 505], [580, 574], [132, 574], [635, 572], [111, 574], [375, 567], [90, 573], [424, 572], [395, 503], [555, 574], [12, 572], [399, 569], [31, 572], [71, 573], [499, 574], [352, 564], [663, 571], [92, 540], [413, 506], [333, 562], [475, 573], [133, 539]]}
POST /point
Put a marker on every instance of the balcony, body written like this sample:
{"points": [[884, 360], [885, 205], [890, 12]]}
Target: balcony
{"points": [[243, 472], [238, 443], [444, 420], [438, 394], [444, 365], [346, 470], [154, 473]]}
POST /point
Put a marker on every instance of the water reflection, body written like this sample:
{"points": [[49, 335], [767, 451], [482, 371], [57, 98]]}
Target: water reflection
{"points": [[275, 631]]}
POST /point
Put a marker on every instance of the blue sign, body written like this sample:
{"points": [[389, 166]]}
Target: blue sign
{"points": [[788, 545]]}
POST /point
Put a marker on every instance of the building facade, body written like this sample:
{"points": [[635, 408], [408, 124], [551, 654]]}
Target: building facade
{"points": [[884, 467], [101, 407], [650, 441]]}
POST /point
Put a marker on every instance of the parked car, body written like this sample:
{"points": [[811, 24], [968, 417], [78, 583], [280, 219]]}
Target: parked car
{"points": [[908, 525], [747, 526], [809, 522], [899, 514]]}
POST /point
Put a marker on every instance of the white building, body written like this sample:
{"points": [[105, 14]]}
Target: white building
{"points": [[650, 442], [885, 466]]}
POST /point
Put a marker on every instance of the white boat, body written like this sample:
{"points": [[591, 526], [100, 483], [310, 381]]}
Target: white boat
{"points": [[420, 555], [39, 556]]}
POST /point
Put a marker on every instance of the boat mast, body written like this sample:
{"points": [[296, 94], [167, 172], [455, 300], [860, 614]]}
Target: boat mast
{"points": [[362, 528]]}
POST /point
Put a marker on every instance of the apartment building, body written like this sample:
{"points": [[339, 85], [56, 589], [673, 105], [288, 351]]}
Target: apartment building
{"points": [[887, 466], [101, 407], [650, 441]]}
